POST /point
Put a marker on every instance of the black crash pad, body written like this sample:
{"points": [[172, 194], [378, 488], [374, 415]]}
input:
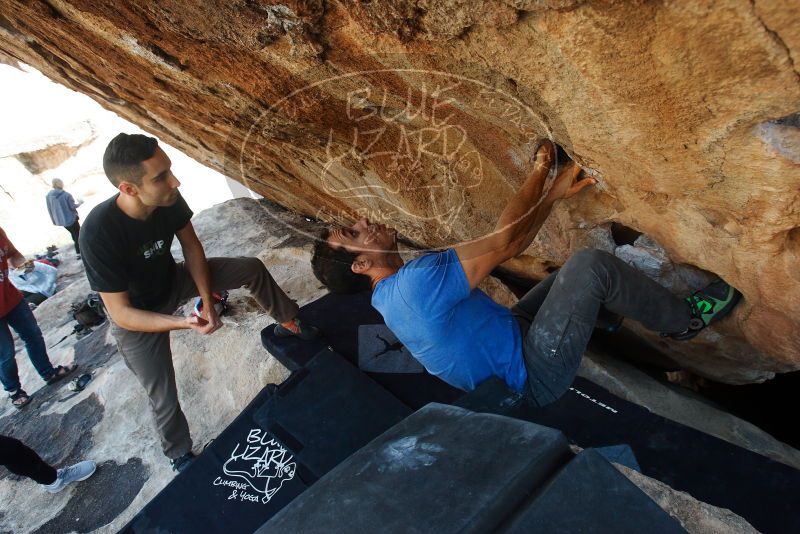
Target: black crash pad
{"points": [[327, 410], [761, 490], [220, 493], [589, 495], [712, 470], [443, 469], [355, 330], [283, 441]]}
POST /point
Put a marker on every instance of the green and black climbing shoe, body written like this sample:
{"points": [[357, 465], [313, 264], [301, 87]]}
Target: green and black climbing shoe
{"points": [[708, 306]]}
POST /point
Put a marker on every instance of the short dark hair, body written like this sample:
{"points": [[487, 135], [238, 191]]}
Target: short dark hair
{"points": [[332, 267], [122, 160]]}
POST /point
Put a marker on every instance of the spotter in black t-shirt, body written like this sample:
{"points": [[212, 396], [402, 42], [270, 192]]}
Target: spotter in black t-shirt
{"points": [[125, 254]]}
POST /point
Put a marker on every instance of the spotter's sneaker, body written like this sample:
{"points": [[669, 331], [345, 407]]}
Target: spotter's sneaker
{"points": [[73, 473], [708, 306]]}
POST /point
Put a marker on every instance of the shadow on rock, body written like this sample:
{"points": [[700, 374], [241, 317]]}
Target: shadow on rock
{"points": [[100, 499], [93, 351], [60, 439]]}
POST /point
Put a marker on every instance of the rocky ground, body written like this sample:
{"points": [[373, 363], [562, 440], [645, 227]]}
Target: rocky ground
{"points": [[109, 422]]}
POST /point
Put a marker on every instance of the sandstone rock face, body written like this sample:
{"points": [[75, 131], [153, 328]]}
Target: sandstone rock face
{"points": [[47, 158], [426, 114], [39, 113]]}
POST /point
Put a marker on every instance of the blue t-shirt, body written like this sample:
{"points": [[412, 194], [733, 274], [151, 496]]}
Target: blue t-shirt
{"points": [[461, 336]]}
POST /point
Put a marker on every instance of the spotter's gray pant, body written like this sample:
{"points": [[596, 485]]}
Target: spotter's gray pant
{"points": [[558, 315], [148, 354]]}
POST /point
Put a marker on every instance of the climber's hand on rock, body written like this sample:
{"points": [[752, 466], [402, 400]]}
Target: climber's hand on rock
{"points": [[567, 184]]}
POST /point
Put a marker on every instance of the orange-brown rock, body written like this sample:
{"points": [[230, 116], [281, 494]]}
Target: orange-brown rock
{"points": [[426, 114]]}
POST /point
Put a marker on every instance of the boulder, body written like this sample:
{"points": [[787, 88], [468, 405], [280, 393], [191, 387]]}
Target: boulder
{"points": [[51, 151], [695, 516], [426, 115], [682, 406]]}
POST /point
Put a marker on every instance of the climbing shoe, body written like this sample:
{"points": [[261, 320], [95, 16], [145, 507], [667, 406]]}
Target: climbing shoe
{"points": [[708, 306], [79, 384], [297, 329]]}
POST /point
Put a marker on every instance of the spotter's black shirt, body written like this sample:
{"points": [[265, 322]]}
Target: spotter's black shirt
{"points": [[125, 254]]}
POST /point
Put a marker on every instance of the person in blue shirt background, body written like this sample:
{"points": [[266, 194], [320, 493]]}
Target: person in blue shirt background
{"points": [[461, 335], [64, 211]]}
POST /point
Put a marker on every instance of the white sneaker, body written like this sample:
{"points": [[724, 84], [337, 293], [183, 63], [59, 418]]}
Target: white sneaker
{"points": [[73, 473]]}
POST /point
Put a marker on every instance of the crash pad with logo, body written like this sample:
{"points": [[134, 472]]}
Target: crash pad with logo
{"points": [[283, 441], [710, 469]]}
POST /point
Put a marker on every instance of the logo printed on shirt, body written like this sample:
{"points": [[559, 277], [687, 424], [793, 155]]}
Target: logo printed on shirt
{"points": [[155, 248]]}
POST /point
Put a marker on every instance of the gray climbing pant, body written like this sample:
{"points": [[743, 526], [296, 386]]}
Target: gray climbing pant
{"points": [[148, 354], [558, 315]]}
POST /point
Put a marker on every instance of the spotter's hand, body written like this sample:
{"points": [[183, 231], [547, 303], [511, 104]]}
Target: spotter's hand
{"points": [[213, 322], [196, 323]]}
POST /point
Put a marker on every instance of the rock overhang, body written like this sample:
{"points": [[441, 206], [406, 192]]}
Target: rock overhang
{"points": [[342, 108]]}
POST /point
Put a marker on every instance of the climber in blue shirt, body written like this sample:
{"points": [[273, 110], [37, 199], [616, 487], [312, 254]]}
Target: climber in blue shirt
{"points": [[459, 334]]}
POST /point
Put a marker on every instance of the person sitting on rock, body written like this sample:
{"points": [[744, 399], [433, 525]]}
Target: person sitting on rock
{"points": [[22, 460], [126, 244], [64, 211], [459, 334], [15, 313]]}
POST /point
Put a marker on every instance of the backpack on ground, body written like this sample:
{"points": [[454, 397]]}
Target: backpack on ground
{"points": [[89, 311]]}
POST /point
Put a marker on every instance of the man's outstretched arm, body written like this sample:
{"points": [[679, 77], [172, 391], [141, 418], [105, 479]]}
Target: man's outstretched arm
{"points": [[126, 316], [521, 219]]}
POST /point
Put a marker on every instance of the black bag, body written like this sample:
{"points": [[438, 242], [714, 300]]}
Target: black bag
{"points": [[89, 312]]}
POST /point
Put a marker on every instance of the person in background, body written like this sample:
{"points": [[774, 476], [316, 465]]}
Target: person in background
{"points": [[22, 460], [64, 211], [14, 312]]}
